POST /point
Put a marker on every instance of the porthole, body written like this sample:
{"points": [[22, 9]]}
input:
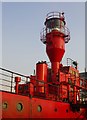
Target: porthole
{"points": [[5, 105], [19, 107], [39, 108], [67, 110], [55, 109]]}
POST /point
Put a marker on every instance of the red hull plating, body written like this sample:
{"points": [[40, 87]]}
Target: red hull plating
{"points": [[49, 109]]}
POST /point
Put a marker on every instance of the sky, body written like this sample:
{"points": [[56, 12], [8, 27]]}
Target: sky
{"points": [[21, 26], [0, 34]]}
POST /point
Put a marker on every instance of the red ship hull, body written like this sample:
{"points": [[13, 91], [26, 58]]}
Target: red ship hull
{"points": [[49, 108]]}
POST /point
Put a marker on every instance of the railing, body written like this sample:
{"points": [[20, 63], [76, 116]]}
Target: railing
{"points": [[7, 80], [7, 83], [71, 62], [55, 25], [55, 14], [81, 96], [64, 30], [43, 35]]}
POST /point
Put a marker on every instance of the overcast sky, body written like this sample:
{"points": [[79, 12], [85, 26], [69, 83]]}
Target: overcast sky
{"points": [[21, 26]]}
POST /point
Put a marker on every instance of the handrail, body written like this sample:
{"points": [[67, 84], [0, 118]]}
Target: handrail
{"points": [[64, 30], [55, 14], [70, 62], [5, 83], [13, 72], [7, 78]]}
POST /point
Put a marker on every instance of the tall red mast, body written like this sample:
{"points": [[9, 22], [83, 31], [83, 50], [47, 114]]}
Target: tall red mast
{"points": [[55, 35]]}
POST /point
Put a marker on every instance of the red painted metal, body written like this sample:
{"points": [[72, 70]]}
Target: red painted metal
{"points": [[17, 80], [41, 75], [49, 108], [55, 40], [32, 79], [41, 71], [53, 92], [55, 46]]}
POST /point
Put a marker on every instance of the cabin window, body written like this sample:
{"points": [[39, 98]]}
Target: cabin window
{"points": [[19, 107], [39, 108], [5, 105]]}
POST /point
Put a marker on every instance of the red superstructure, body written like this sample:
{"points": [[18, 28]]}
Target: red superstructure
{"points": [[52, 92]]}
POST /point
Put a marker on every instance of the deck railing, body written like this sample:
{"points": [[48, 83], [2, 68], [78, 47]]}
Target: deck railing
{"points": [[7, 83], [7, 79]]}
